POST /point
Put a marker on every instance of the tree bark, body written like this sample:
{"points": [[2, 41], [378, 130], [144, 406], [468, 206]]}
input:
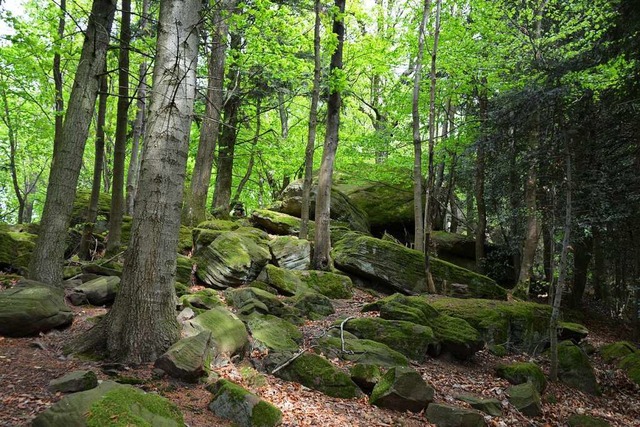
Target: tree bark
{"points": [[418, 241], [481, 228], [117, 188], [322, 240], [227, 145], [142, 322], [57, 76], [313, 124], [254, 142], [48, 256], [195, 208], [431, 176], [581, 260], [13, 146], [92, 212]]}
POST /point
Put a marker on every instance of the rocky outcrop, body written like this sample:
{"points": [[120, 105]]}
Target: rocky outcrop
{"points": [[402, 389], [189, 358], [290, 282], [244, 409], [401, 269], [272, 333], [291, 253], [228, 333], [31, 307], [625, 356], [15, 251], [489, 406]]}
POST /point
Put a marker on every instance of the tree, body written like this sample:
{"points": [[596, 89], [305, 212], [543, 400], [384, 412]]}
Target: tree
{"points": [[322, 239], [48, 256], [145, 306]]}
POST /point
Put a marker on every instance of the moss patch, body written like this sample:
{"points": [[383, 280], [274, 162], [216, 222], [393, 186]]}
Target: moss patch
{"points": [[522, 372], [612, 353]]}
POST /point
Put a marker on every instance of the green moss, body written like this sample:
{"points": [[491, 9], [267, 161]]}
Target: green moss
{"points": [[218, 224], [631, 365], [130, 407], [265, 414], [273, 333], [363, 351], [331, 285], [498, 350], [574, 368], [204, 299], [522, 372], [479, 286], [181, 289], [81, 206], [275, 222], [285, 281], [612, 353], [252, 377], [577, 420], [185, 241], [16, 249]]}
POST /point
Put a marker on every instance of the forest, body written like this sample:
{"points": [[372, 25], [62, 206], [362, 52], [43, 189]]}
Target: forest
{"points": [[364, 212]]}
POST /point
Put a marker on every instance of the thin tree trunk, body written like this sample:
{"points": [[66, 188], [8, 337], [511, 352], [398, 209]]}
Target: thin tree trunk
{"points": [[599, 281], [57, 76], [418, 241], [145, 305], [138, 125], [581, 260], [117, 189], [256, 137], [48, 256], [284, 117], [313, 124], [481, 229], [322, 240], [430, 179], [195, 206], [562, 275], [13, 146], [92, 212]]}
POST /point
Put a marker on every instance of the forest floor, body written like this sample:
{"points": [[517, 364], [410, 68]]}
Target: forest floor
{"points": [[28, 364]]}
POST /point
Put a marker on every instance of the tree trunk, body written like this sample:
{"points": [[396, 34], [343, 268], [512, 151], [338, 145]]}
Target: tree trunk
{"points": [[581, 260], [226, 148], [117, 189], [254, 142], [599, 274], [313, 124], [195, 208], [13, 146], [57, 76], [48, 256], [322, 240], [481, 229], [92, 212], [562, 275], [431, 178], [142, 322], [138, 125], [418, 241]]}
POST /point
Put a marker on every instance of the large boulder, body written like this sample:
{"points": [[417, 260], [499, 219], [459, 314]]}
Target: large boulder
{"points": [[519, 326], [522, 372], [15, 251], [454, 416], [410, 339], [342, 209], [244, 409], [291, 253], [574, 368], [272, 333], [401, 269], [233, 259], [525, 398], [100, 291], [276, 222], [189, 358], [455, 335], [361, 351], [204, 299], [489, 406], [228, 333], [252, 299], [402, 389], [312, 305], [111, 401], [290, 282], [313, 371], [31, 307]]}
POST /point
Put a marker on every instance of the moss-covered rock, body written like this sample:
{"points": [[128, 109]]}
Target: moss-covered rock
{"points": [[290, 282], [251, 299], [574, 368], [361, 350], [572, 331], [615, 352], [244, 409], [313, 371], [81, 206], [313, 305], [444, 415], [189, 358], [525, 398], [15, 251], [631, 365], [111, 404], [402, 389], [272, 333], [489, 406], [275, 222], [203, 237], [228, 332], [577, 420], [219, 224], [455, 335], [402, 269], [233, 259], [185, 241], [410, 339], [98, 292], [74, 382], [31, 307], [184, 266], [522, 372], [204, 299], [519, 326], [365, 375], [286, 282], [291, 253]]}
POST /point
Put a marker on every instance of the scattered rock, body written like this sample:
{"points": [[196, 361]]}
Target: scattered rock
{"points": [[272, 333], [184, 267], [574, 368], [313, 305], [290, 282], [189, 358], [489, 406], [453, 416], [577, 420], [361, 350], [615, 352], [31, 307], [244, 409], [204, 299], [251, 299], [98, 292], [228, 332], [110, 400], [522, 372], [73, 382], [366, 376], [402, 389], [525, 398], [291, 253]]}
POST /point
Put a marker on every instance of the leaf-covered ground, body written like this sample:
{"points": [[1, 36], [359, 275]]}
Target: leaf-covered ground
{"points": [[28, 364]]}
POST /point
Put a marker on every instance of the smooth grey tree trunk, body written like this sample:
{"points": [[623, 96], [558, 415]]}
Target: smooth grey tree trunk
{"points": [[48, 257], [322, 239], [142, 322]]}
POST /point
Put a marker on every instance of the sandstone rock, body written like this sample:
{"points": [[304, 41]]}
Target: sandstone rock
{"points": [[525, 398], [454, 416], [189, 358], [73, 382], [402, 389], [244, 409]]}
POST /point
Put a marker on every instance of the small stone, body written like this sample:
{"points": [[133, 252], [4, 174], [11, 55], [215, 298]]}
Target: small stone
{"points": [[454, 416], [73, 382]]}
